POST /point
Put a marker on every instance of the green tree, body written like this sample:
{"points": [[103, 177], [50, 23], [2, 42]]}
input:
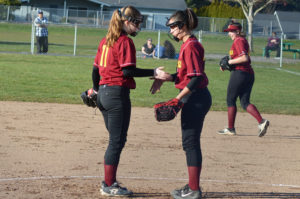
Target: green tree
{"points": [[10, 2], [197, 3], [219, 9]]}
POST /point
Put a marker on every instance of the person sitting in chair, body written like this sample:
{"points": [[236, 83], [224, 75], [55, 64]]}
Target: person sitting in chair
{"points": [[273, 44]]}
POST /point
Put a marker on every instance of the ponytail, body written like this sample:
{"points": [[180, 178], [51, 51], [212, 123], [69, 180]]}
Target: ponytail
{"points": [[115, 28], [191, 19]]}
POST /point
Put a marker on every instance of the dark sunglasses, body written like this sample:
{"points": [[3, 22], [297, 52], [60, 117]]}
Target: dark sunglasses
{"points": [[175, 24], [136, 21]]}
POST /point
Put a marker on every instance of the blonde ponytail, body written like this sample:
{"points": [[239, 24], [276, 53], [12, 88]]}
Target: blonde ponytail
{"points": [[115, 29]]}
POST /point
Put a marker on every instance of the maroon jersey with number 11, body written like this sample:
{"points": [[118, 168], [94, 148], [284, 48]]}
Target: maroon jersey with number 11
{"points": [[110, 62]]}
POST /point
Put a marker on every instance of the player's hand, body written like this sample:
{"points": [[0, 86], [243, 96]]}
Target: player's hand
{"points": [[89, 97], [92, 93], [157, 83], [159, 73]]}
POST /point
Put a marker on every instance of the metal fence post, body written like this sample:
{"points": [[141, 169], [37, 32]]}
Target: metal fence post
{"points": [[32, 37], [97, 21], [65, 7], [281, 47], [67, 15], [75, 39], [200, 36], [158, 44], [243, 24], [282, 37], [271, 27], [8, 9]]}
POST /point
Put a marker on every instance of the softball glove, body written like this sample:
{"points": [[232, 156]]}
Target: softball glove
{"points": [[166, 111], [224, 63], [89, 97]]}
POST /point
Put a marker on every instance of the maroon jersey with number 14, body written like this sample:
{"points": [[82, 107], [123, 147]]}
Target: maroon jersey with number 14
{"points": [[110, 62], [240, 47]]}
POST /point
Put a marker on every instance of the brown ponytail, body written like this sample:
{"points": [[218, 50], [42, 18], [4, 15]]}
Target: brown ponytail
{"points": [[187, 17], [191, 19]]}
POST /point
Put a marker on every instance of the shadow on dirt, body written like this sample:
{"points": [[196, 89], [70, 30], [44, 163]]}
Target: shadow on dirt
{"points": [[223, 195], [249, 195], [151, 195]]}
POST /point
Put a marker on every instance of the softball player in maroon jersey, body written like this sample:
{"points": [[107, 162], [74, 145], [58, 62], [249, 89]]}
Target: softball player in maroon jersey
{"points": [[192, 82], [113, 72], [241, 81]]}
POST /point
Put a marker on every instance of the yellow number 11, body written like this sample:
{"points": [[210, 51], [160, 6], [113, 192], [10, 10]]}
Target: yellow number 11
{"points": [[104, 56]]}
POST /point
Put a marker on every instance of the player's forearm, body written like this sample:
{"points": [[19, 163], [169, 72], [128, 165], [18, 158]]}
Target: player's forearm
{"points": [[239, 60], [192, 85], [183, 93], [95, 78], [172, 77], [137, 72]]}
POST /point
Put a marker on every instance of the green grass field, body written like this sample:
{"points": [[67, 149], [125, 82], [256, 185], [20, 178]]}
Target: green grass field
{"points": [[61, 79], [17, 37]]}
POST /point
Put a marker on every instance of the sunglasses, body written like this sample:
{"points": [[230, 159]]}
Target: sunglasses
{"points": [[175, 24], [136, 21]]}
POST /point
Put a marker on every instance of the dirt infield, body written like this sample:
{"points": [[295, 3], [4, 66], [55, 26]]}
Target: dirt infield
{"points": [[56, 151]]}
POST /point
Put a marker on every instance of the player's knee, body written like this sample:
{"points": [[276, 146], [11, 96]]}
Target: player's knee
{"points": [[191, 147], [230, 102], [116, 147], [122, 145], [244, 105]]}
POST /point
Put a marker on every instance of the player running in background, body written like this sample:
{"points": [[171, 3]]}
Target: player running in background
{"points": [[113, 72], [192, 82], [241, 81]]}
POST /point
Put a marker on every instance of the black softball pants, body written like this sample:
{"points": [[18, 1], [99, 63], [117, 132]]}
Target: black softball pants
{"points": [[115, 106], [196, 106], [240, 85]]}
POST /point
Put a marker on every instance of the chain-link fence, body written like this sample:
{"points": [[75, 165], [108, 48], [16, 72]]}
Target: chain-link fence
{"points": [[153, 21], [74, 32], [75, 39]]}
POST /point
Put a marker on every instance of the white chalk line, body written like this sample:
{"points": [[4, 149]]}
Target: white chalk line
{"points": [[288, 71], [140, 178]]}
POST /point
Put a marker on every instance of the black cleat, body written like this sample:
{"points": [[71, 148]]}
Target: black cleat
{"points": [[186, 193], [114, 190]]}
